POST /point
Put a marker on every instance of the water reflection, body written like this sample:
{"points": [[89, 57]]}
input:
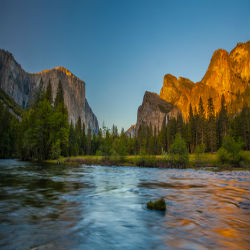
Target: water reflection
{"points": [[84, 207]]}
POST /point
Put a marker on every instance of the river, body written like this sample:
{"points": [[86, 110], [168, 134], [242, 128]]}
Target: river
{"points": [[96, 207]]}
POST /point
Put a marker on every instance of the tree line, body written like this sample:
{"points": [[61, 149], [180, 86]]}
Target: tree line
{"points": [[202, 131], [43, 132]]}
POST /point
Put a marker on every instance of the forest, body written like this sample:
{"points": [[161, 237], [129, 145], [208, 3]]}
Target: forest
{"points": [[43, 132]]}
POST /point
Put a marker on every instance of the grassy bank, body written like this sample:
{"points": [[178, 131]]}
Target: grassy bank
{"points": [[195, 161]]}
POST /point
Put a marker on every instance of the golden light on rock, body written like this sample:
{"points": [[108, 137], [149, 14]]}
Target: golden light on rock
{"points": [[227, 74], [59, 68]]}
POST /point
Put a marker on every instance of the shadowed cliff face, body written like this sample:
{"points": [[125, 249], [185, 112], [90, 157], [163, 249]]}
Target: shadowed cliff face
{"points": [[154, 111], [227, 74], [22, 87]]}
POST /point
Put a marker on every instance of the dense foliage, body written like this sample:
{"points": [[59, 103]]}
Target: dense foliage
{"points": [[231, 151], [43, 132]]}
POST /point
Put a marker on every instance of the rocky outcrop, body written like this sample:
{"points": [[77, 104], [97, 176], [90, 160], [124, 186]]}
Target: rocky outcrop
{"points": [[22, 87], [227, 74], [154, 111], [131, 132]]}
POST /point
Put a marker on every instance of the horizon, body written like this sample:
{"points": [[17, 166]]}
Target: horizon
{"points": [[117, 56]]}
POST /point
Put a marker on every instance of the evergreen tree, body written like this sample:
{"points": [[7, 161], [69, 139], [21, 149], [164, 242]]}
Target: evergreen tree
{"points": [[211, 128], [48, 93], [222, 126], [73, 146], [114, 131], [60, 121], [191, 130], [180, 124], [84, 141], [201, 122], [162, 137], [38, 135], [88, 143], [39, 93], [171, 132], [59, 100]]}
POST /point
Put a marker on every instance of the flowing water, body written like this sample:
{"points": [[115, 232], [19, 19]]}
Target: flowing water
{"points": [[95, 207]]}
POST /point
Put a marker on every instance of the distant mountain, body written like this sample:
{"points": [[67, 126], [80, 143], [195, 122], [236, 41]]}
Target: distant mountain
{"points": [[228, 74], [21, 87]]}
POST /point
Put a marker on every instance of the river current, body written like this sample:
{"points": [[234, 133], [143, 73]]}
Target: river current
{"points": [[96, 207]]}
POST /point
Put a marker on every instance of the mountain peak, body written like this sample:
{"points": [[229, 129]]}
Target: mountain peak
{"points": [[227, 73], [64, 70], [59, 68]]}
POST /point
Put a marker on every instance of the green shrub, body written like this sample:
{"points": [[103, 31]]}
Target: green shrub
{"points": [[230, 151], [245, 159], [99, 153], [147, 161], [198, 152], [157, 205], [200, 149], [178, 152], [115, 158], [223, 156]]}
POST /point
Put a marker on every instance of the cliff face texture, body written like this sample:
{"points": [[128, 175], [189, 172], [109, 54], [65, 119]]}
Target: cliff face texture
{"points": [[22, 87], [228, 74], [154, 111]]}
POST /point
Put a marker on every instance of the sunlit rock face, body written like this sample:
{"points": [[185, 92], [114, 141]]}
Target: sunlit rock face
{"points": [[154, 111], [22, 87], [227, 74]]}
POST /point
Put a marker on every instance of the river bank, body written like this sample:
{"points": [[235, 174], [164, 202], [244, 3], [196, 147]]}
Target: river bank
{"points": [[158, 161]]}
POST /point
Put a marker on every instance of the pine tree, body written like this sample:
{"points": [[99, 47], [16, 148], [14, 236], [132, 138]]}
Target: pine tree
{"points": [[192, 129], [59, 100], [88, 144], [180, 124], [171, 132], [114, 131], [73, 146], [211, 128], [201, 122], [60, 121], [48, 93], [222, 126], [78, 130], [162, 137], [39, 93], [37, 131], [83, 140]]}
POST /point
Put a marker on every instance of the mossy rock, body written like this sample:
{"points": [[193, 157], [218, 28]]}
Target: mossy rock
{"points": [[157, 205]]}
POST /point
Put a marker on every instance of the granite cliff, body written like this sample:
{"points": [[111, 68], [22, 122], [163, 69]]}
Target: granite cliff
{"points": [[228, 74], [22, 87], [154, 111]]}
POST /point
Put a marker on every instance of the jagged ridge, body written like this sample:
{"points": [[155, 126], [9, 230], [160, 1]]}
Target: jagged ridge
{"points": [[227, 74]]}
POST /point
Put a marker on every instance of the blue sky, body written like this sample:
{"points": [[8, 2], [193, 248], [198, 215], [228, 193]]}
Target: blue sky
{"points": [[122, 48]]}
